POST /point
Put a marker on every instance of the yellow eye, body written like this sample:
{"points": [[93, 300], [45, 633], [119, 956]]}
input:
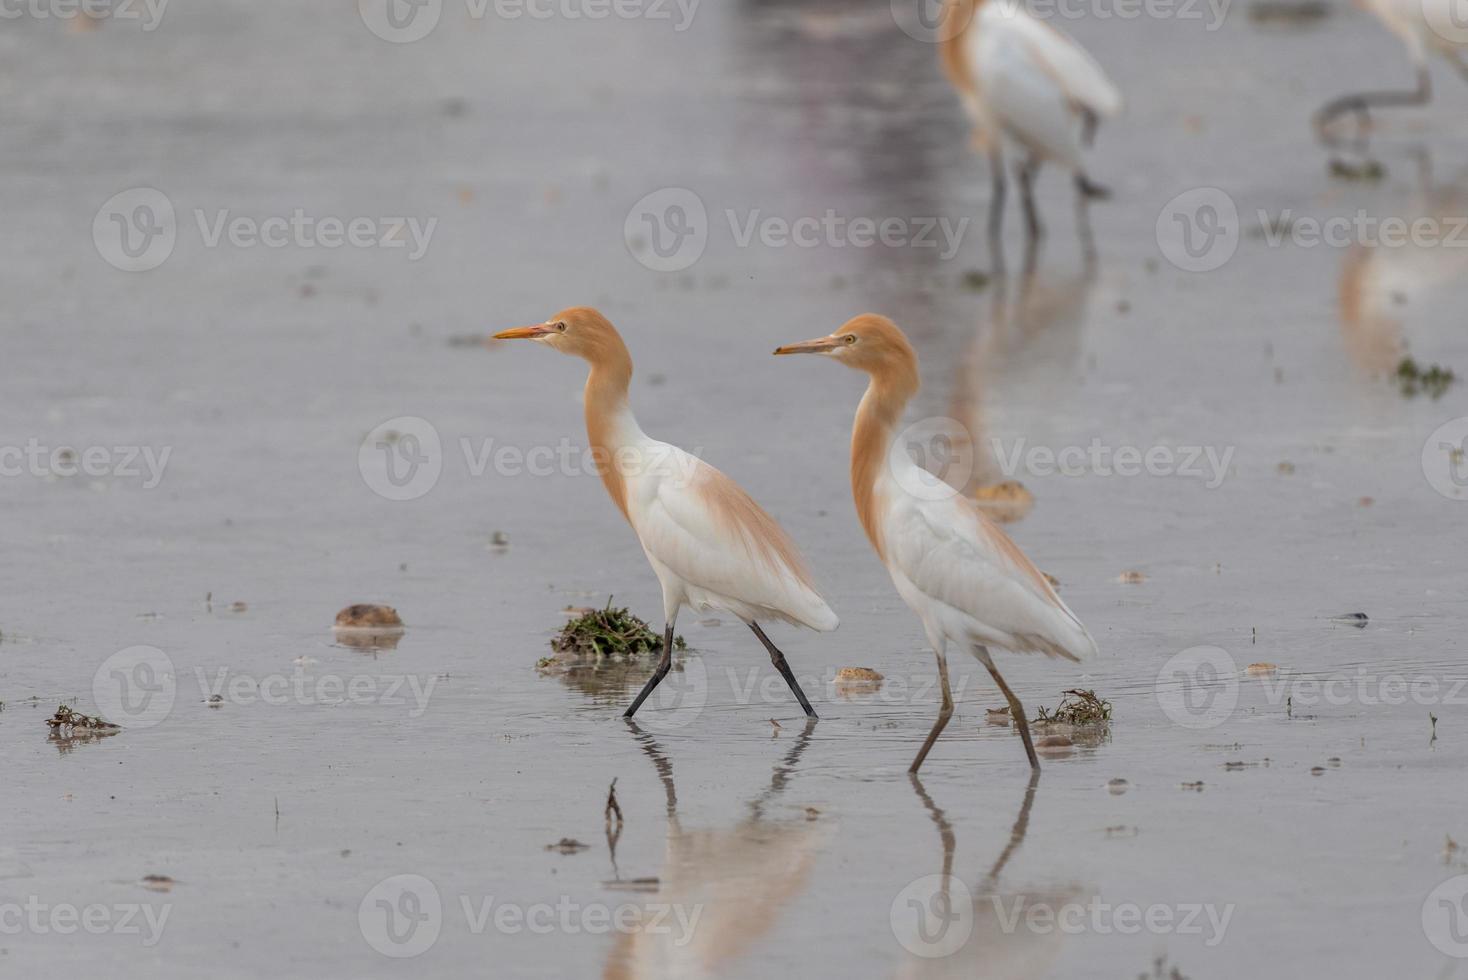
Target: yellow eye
{"points": [[849, 338], [561, 326]]}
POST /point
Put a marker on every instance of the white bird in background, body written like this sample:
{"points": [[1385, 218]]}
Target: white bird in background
{"points": [[966, 580], [1425, 26], [710, 544], [1027, 88]]}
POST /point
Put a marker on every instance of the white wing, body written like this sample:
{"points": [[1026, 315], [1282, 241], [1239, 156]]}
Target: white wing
{"points": [[1036, 80], [723, 548], [978, 586]]}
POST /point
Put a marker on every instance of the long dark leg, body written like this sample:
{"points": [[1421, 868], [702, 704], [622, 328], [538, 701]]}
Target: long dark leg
{"points": [[664, 665], [1027, 172], [778, 659], [1362, 102], [996, 211], [944, 713], [1016, 710]]}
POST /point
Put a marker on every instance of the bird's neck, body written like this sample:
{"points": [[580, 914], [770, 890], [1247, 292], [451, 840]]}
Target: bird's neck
{"points": [[871, 439], [610, 424]]}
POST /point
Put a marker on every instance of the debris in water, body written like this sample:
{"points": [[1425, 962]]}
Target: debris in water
{"points": [[1004, 502], [1054, 582], [975, 280], [1259, 669], [610, 632], [214, 700], [1077, 708], [1371, 170], [1412, 380], [1117, 786], [66, 723], [997, 716], [1288, 12], [499, 540], [1358, 620], [1195, 787], [367, 616], [776, 724], [1286, 468], [1317, 770], [239, 607], [1121, 830], [613, 808], [1131, 578], [567, 845], [157, 883]]}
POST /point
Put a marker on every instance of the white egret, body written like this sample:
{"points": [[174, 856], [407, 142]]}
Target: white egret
{"points": [[1027, 88], [966, 580], [711, 546]]}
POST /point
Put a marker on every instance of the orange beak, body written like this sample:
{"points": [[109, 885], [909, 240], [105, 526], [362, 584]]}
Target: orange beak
{"points": [[820, 345], [523, 333]]}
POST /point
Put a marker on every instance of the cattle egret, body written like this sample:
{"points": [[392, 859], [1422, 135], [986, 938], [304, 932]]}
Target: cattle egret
{"points": [[966, 580], [1424, 26], [709, 543], [1027, 88]]}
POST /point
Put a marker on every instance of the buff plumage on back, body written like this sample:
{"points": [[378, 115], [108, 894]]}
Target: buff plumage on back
{"points": [[738, 514]]}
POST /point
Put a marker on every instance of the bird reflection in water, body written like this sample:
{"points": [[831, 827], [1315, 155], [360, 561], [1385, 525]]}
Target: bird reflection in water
{"points": [[999, 945], [1378, 282], [738, 880]]}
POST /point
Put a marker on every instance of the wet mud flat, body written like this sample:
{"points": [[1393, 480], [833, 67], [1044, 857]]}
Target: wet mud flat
{"points": [[1287, 821]]}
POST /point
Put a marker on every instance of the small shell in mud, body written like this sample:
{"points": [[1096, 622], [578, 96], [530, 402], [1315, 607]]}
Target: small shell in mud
{"points": [[157, 883], [997, 716], [1004, 502], [1260, 669], [370, 617], [1117, 786], [1131, 577], [855, 681]]}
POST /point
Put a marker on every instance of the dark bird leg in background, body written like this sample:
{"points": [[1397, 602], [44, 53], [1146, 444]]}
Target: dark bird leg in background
{"points": [[996, 212], [1361, 103]]}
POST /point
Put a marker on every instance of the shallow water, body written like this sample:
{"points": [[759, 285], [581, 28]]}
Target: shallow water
{"points": [[279, 812]]}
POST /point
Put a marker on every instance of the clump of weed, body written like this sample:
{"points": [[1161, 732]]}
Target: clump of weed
{"points": [[1413, 380], [1077, 708], [609, 632], [67, 722]]}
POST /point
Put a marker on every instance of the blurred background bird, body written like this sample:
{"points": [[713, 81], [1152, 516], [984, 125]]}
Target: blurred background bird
{"points": [[1031, 92], [966, 580], [711, 546]]}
